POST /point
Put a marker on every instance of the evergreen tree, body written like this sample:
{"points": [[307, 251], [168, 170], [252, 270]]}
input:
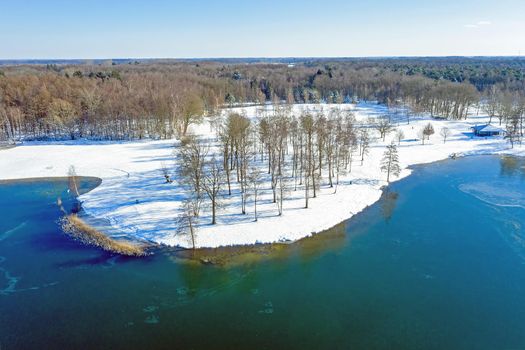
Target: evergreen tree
{"points": [[390, 161]]}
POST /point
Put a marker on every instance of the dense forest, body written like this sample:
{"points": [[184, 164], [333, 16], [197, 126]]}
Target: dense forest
{"points": [[129, 99]]}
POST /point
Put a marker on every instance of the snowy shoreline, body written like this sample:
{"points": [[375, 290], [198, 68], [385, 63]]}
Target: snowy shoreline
{"points": [[137, 203]]}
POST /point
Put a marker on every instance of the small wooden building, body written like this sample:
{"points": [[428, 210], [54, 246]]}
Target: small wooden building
{"points": [[487, 130]]}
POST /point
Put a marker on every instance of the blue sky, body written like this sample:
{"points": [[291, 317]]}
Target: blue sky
{"points": [[236, 28]]}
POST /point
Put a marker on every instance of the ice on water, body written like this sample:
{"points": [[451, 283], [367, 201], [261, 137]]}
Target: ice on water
{"points": [[496, 193]]}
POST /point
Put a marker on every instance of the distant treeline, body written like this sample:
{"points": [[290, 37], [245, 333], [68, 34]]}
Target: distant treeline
{"points": [[127, 99]]}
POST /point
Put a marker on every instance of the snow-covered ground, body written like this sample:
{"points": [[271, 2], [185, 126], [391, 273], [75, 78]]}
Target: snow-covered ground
{"points": [[136, 201]]}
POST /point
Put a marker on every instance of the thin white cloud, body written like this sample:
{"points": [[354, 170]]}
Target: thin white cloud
{"points": [[477, 25]]}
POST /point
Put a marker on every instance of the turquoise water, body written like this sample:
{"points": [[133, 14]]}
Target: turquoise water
{"points": [[439, 263]]}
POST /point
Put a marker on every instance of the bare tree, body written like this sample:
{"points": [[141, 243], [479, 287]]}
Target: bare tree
{"points": [[282, 192], [351, 151], [400, 135], [192, 155], [445, 133], [350, 141], [255, 180], [321, 139], [185, 222], [505, 106], [491, 103], [364, 143], [296, 140], [279, 128], [426, 131], [226, 143], [512, 130], [421, 135], [384, 126], [191, 109], [307, 128], [212, 183]]}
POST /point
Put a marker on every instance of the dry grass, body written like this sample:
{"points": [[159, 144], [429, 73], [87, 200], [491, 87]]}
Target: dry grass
{"points": [[79, 229], [6, 146]]}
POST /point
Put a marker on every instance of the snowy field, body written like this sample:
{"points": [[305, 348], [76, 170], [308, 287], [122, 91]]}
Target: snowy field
{"points": [[137, 203]]}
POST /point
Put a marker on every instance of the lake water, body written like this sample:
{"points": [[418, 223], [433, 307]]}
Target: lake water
{"points": [[439, 263]]}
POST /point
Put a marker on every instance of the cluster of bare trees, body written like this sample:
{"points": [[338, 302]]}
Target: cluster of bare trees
{"points": [[425, 132], [135, 106], [509, 109], [277, 153], [445, 99]]}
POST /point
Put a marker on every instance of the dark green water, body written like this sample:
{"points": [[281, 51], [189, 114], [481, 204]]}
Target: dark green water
{"points": [[440, 264]]}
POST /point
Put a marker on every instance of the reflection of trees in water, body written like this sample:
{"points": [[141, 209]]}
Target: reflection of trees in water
{"points": [[194, 281], [305, 249], [203, 272], [510, 166], [388, 203], [309, 248]]}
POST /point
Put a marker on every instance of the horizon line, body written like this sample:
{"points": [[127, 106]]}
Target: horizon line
{"points": [[255, 57]]}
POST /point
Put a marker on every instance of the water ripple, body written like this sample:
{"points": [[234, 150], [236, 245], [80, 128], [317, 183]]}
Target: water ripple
{"points": [[10, 232], [12, 281]]}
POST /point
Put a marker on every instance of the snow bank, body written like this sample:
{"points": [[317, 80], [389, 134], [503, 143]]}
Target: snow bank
{"points": [[135, 200]]}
